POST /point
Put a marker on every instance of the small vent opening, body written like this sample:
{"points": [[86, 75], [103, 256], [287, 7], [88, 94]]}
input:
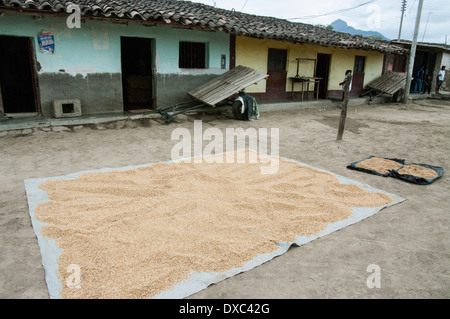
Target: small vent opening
{"points": [[68, 108]]}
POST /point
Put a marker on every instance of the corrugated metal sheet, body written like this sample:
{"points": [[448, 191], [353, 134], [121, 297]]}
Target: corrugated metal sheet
{"points": [[227, 84]]}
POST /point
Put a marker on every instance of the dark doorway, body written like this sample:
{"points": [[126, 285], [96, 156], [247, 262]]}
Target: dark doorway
{"points": [[276, 69], [137, 75], [323, 71], [427, 59], [358, 76], [17, 75]]}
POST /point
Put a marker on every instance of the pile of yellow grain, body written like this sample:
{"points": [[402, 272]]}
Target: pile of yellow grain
{"points": [[379, 164], [419, 171], [136, 233]]}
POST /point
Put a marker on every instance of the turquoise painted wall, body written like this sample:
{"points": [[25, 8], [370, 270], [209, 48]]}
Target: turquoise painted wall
{"points": [[95, 47]]}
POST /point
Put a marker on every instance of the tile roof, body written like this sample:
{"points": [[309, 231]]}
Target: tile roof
{"points": [[197, 15], [424, 45]]}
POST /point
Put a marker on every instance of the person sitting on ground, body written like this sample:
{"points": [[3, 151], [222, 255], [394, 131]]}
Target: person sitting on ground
{"points": [[427, 85]]}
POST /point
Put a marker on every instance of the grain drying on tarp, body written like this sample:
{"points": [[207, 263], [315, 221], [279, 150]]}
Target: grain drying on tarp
{"points": [[136, 233]]}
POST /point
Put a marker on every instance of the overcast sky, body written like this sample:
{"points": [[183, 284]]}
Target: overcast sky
{"points": [[370, 15]]}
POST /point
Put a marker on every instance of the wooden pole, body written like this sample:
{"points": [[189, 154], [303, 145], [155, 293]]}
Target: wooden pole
{"points": [[2, 110], [344, 108]]}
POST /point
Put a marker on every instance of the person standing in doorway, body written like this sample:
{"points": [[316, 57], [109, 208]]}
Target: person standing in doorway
{"points": [[419, 80], [440, 79]]}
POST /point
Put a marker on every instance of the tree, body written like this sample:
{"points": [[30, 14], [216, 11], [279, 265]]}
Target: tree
{"points": [[323, 26], [376, 37]]}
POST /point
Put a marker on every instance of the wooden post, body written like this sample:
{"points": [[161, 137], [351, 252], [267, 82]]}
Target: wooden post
{"points": [[2, 110], [344, 108], [317, 92]]}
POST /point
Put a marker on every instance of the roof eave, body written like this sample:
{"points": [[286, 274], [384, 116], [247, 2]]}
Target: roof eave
{"points": [[187, 23]]}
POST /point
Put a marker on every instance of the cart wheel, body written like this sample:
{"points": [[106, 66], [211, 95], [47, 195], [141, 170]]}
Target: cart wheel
{"points": [[237, 111], [398, 96]]}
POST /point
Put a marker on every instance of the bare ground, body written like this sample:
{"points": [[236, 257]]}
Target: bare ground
{"points": [[409, 241]]}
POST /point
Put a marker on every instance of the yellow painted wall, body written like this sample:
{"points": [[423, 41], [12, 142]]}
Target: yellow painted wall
{"points": [[253, 53]]}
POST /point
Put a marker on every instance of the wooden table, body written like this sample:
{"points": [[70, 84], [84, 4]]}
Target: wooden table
{"points": [[307, 80]]}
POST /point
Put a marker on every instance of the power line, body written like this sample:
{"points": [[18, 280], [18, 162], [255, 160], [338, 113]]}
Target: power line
{"points": [[426, 25], [332, 12], [412, 6], [245, 3], [384, 19], [410, 27]]}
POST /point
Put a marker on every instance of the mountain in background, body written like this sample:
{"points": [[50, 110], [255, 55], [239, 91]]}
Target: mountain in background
{"points": [[342, 26]]}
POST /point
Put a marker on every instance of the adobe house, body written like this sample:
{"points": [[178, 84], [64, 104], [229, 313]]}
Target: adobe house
{"points": [[431, 55], [144, 55], [325, 64], [290, 51], [118, 60]]}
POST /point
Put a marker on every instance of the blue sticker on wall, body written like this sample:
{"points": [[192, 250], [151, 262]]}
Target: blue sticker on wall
{"points": [[46, 42]]}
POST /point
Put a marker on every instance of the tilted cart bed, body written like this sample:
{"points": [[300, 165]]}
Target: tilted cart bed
{"points": [[218, 89]]}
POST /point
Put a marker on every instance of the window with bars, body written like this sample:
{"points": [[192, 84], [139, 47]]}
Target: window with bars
{"points": [[192, 55]]}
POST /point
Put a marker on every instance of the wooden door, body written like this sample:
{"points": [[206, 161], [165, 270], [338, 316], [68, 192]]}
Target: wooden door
{"points": [[276, 69], [322, 71], [358, 76]]}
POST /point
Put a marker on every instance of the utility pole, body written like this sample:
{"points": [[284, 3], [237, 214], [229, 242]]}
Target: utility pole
{"points": [[401, 20], [412, 53]]}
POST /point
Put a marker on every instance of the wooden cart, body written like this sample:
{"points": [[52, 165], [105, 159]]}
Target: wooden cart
{"points": [[390, 83], [217, 90]]}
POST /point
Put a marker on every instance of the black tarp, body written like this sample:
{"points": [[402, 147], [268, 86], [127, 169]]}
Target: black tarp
{"points": [[396, 174], [353, 166], [417, 179]]}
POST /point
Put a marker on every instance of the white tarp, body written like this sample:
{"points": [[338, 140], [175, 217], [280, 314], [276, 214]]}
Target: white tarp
{"points": [[198, 281]]}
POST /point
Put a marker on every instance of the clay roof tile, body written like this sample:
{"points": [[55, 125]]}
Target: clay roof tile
{"points": [[200, 15]]}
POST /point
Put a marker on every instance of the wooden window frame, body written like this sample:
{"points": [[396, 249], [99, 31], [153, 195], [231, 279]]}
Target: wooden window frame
{"points": [[358, 66], [280, 61], [192, 55]]}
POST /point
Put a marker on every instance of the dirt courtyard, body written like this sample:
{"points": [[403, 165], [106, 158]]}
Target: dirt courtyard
{"points": [[409, 241]]}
